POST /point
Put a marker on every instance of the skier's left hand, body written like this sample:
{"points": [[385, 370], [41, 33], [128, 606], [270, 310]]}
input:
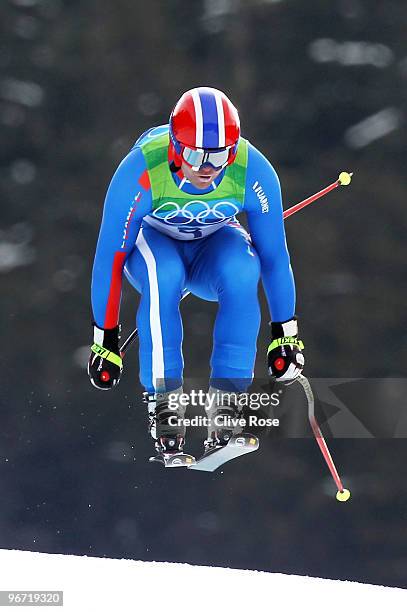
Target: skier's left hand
{"points": [[105, 363], [284, 354]]}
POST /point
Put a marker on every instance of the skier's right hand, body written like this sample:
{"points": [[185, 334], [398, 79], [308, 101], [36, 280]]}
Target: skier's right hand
{"points": [[105, 363]]}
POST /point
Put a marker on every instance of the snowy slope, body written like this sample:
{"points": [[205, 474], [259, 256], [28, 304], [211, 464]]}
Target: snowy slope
{"points": [[97, 585]]}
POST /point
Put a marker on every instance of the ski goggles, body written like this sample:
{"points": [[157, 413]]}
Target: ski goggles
{"points": [[195, 158]]}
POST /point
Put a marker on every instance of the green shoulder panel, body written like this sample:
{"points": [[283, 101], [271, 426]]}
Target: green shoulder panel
{"points": [[239, 168], [155, 150], [155, 153]]}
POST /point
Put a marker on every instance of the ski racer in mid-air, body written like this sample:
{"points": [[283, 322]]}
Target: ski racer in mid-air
{"points": [[169, 225]]}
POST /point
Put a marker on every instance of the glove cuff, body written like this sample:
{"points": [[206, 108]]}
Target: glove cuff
{"points": [[108, 338], [285, 328], [104, 353], [285, 341]]}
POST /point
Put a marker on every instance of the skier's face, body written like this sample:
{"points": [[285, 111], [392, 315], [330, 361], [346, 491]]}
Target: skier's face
{"points": [[202, 178]]}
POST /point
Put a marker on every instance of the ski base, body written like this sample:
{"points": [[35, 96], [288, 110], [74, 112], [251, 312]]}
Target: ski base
{"points": [[215, 457], [173, 460]]}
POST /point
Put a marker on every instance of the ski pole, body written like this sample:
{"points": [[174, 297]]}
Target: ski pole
{"points": [[343, 179], [131, 338], [342, 494]]}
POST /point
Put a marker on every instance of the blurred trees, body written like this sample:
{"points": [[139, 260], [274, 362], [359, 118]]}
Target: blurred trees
{"points": [[80, 80]]}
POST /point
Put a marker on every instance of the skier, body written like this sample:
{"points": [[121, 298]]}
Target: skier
{"points": [[169, 225]]}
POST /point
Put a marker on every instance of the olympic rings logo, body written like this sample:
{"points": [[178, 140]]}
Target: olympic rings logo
{"points": [[196, 212]]}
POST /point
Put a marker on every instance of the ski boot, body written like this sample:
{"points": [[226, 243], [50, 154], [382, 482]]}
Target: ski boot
{"points": [[225, 439], [169, 437], [223, 411]]}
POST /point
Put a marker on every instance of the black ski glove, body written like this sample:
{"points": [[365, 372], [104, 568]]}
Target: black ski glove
{"points": [[105, 363], [284, 354]]}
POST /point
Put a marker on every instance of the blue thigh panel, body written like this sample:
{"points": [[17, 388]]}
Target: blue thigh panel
{"points": [[225, 267], [156, 269]]}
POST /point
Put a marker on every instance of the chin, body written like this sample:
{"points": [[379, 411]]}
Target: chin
{"points": [[204, 183]]}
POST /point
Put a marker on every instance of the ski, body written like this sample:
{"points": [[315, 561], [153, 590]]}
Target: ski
{"points": [[172, 460], [238, 445]]}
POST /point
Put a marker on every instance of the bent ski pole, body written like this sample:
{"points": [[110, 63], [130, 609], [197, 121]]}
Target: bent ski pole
{"points": [[342, 493], [343, 179]]}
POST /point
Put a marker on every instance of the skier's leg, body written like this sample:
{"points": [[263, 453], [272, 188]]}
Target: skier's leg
{"points": [[226, 268], [156, 270]]}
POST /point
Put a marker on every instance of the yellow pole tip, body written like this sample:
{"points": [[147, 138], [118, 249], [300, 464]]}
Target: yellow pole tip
{"points": [[345, 178], [343, 496]]}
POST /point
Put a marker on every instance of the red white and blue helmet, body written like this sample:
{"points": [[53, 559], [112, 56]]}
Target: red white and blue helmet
{"points": [[204, 119]]}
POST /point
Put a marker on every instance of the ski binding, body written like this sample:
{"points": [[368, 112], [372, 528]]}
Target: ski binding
{"points": [[172, 460], [215, 457]]}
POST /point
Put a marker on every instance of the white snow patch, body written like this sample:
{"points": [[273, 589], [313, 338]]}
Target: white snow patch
{"points": [[92, 584]]}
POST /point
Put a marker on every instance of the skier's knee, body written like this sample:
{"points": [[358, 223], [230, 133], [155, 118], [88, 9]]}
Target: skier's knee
{"points": [[241, 274], [169, 276]]}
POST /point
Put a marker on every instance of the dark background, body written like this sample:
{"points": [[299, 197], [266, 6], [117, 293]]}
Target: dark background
{"points": [[321, 87]]}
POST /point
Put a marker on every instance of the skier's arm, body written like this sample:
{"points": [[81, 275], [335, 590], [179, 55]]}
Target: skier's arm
{"points": [[128, 200], [265, 217], [264, 210]]}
